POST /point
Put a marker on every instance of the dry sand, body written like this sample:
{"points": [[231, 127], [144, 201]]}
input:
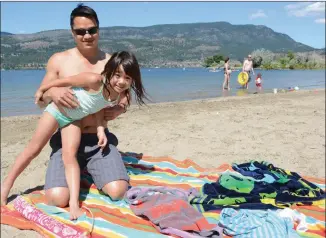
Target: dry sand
{"points": [[287, 129]]}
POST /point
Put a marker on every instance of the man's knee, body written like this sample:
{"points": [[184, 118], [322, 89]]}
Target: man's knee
{"points": [[116, 189], [58, 197]]}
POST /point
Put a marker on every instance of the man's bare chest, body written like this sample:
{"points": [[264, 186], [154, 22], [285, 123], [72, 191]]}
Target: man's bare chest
{"points": [[71, 69]]}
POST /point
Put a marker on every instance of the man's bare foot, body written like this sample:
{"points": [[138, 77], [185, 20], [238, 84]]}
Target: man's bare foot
{"points": [[75, 212]]}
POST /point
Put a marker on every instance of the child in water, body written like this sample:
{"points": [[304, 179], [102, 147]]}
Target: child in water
{"points": [[94, 92], [258, 82]]}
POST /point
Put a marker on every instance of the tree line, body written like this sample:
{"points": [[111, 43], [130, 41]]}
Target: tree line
{"points": [[266, 59]]}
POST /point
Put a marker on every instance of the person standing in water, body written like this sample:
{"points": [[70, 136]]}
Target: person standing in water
{"points": [[258, 82], [248, 68], [227, 74]]}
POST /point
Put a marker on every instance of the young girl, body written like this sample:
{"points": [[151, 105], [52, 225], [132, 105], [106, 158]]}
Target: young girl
{"points": [[94, 92], [258, 81]]}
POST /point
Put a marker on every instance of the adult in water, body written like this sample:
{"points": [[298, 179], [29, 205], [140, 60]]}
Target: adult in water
{"points": [[248, 68], [106, 167], [227, 74]]}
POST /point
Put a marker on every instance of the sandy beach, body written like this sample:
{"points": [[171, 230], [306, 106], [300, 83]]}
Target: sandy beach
{"points": [[287, 129]]}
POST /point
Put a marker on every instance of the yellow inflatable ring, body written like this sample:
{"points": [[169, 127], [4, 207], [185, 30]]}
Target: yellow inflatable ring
{"points": [[243, 78]]}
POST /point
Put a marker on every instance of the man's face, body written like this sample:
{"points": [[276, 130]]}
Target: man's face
{"points": [[249, 57], [85, 32]]}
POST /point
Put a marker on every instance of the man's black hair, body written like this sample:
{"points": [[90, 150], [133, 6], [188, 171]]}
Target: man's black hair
{"points": [[83, 11]]}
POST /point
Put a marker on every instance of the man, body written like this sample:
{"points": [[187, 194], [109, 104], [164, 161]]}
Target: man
{"points": [[248, 67], [106, 167]]}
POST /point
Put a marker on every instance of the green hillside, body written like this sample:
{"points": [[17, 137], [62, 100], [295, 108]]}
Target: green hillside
{"points": [[173, 45]]}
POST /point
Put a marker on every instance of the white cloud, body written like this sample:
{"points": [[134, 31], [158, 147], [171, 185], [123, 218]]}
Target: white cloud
{"points": [[22, 32], [303, 9], [320, 21], [258, 14]]}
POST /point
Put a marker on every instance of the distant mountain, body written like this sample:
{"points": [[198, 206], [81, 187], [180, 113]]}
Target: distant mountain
{"points": [[3, 33], [172, 45]]}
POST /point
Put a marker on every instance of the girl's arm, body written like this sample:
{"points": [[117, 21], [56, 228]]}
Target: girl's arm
{"points": [[100, 123], [79, 80]]}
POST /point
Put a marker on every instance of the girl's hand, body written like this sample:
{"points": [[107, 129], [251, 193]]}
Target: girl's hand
{"points": [[38, 96], [5, 189], [102, 139], [75, 212]]}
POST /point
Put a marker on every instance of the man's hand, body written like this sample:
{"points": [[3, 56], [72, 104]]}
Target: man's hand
{"points": [[63, 96], [38, 95], [111, 113]]}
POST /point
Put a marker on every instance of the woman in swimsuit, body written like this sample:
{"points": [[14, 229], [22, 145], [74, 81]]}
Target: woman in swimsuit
{"points": [[227, 73]]}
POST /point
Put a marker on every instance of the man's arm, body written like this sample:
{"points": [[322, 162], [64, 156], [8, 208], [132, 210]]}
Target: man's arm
{"points": [[52, 73], [60, 96], [243, 66]]}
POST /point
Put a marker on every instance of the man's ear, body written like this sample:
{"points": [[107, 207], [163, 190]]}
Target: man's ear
{"points": [[72, 33]]}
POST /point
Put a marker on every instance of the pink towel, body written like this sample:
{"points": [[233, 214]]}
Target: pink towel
{"points": [[55, 227]]}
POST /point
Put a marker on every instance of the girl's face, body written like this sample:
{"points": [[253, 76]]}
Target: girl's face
{"points": [[120, 81]]}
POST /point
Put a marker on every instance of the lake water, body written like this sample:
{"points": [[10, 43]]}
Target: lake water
{"points": [[163, 85]]}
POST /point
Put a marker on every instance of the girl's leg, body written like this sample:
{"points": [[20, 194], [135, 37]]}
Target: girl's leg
{"points": [[47, 125], [70, 136], [229, 81]]}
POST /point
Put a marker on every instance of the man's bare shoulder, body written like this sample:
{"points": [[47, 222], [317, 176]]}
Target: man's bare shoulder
{"points": [[105, 56], [108, 56], [60, 57]]}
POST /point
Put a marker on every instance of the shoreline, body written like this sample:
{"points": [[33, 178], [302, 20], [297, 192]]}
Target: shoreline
{"points": [[213, 99]]}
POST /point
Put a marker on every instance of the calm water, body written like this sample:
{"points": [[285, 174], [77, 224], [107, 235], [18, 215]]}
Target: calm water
{"points": [[163, 85]]}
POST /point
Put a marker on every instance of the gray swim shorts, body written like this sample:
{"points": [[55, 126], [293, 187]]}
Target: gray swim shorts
{"points": [[249, 76], [104, 166]]}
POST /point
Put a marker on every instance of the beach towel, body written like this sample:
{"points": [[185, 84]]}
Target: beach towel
{"points": [[116, 219]]}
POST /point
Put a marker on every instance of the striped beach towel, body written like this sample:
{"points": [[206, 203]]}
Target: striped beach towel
{"points": [[115, 218]]}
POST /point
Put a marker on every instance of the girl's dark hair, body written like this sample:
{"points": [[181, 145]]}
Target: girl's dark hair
{"points": [[226, 59], [83, 11], [130, 65], [259, 75]]}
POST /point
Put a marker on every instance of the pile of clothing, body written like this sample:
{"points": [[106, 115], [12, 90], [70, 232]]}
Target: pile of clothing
{"points": [[255, 200]]}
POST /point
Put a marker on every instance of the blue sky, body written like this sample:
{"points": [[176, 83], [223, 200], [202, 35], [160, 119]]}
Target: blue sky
{"points": [[302, 21]]}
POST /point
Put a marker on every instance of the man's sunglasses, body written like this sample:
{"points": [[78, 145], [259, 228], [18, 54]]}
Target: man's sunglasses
{"points": [[82, 32]]}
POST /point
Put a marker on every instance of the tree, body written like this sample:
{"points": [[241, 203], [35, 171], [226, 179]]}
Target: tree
{"points": [[291, 55], [218, 58], [208, 61], [213, 61], [257, 61], [262, 57]]}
